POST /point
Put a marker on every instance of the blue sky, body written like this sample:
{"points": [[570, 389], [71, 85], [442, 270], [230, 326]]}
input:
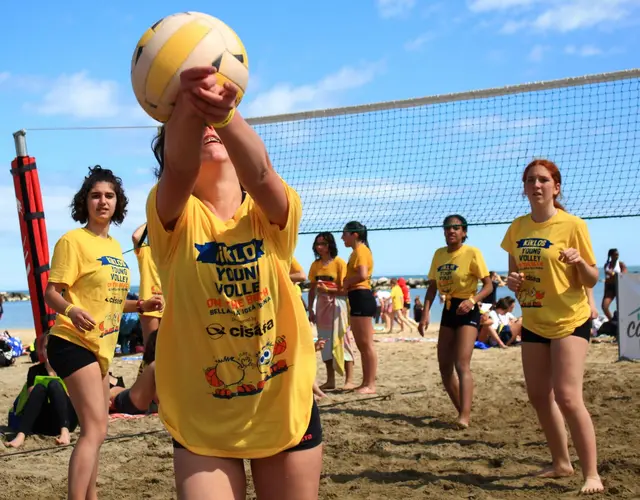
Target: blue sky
{"points": [[68, 65]]}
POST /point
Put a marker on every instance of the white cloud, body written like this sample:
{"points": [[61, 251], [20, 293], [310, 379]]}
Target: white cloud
{"points": [[556, 15], [394, 8], [287, 98], [489, 5], [583, 51], [537, 53], [80, 96], [4, 76], [418, 42], [577, 14]]}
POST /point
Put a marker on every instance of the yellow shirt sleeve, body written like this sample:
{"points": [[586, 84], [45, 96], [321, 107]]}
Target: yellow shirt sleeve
{"points": [[313, 271], [283, 240], [65, 264], [295, 266], [478, 266], [341, 266], [507, 241], [581, 241], [434, 267]]}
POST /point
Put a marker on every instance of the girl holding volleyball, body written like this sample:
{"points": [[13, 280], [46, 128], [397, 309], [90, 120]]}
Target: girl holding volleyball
{"points": [[551, 261], [235, 360], [455, 272], [88, 286], [362, 303]]}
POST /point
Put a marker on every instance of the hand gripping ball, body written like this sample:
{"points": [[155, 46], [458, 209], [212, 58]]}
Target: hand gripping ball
{"points": [[178, 42]]}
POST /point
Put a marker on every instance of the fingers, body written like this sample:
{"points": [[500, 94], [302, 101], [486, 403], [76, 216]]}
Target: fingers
{"points": [[197, 73]]}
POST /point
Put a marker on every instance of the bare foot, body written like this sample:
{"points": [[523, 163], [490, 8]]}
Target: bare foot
{"points": [[349, 386], [462, 424], [328, 386], [592, 485], [366, 390], [64, 438], [554, 472], [17, 441]]}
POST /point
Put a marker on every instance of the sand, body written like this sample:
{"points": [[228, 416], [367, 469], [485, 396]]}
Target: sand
{"points": [[399, 444]]}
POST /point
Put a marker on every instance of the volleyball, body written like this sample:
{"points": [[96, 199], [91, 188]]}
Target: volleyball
{"points": [[178, 42]]}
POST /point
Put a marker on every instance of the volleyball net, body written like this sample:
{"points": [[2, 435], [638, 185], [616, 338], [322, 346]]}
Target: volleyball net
{"points": [[407, 164]]}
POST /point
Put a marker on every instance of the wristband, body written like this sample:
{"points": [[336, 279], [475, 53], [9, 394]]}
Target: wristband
{"points": [[139, 306], [473, 301], [226, 121], [66, 311]]}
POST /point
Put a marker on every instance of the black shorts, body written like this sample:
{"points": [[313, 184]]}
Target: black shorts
{"points": [[66, 358], [362, 303], [407, 305], [583, 331], [122, 404], [311, 438], [610, 290], [452, 320]]}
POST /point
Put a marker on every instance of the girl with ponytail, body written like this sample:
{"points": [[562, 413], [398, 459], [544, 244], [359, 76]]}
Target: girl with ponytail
{"points": [[362, 303]]}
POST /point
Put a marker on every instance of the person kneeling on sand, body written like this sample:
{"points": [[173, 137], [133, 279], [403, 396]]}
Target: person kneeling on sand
{"points": [[138, 399], [43, 406]]}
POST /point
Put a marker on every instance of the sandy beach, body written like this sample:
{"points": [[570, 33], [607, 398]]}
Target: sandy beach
{"points": [[397, 444]]}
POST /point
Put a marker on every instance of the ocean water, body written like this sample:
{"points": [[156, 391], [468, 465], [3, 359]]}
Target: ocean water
{"points": [[18, 315]]}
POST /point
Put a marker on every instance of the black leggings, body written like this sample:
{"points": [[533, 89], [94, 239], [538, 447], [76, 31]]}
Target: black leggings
{"points": [[47, 410]]}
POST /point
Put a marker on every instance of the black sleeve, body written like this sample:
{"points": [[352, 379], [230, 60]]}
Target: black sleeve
{"points": [[34, 371]]}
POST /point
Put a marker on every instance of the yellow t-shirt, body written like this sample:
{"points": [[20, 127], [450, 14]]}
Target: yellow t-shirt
{"points": [[235, 361], [149, 279], [98, 280], [333, 272], [296, 268], [457, 273], [553, 301], [361, 256], [397, 298]]}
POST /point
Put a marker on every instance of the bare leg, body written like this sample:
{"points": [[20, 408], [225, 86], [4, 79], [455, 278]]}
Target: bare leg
{"points": [[331, 376], [288, 475], [362, 329], [87, 388], [208, 478], [465, 339], [446, 362], [568, 356], [536, 363], [606, 302]]}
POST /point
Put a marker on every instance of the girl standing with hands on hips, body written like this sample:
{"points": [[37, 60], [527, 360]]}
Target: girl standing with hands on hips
{"points": [[88, 286], [551, 261], [235, 360], [362, 303], [455, 272]]}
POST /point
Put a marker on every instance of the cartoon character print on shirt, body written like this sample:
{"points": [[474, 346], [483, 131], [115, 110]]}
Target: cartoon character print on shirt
{"points": [[530, 262], [239, 297], [117, 288]]}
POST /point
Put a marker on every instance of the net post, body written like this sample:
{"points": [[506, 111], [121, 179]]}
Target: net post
{"points": [[20, 140]]}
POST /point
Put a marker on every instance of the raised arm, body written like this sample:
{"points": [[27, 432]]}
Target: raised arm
{"points": [[137, 235]]}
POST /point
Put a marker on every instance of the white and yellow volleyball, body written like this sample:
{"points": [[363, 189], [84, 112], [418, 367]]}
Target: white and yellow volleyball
{"points": [[178, 42]]}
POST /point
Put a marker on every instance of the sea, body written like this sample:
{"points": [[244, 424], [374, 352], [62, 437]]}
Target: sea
{"points": [[18, 315]]}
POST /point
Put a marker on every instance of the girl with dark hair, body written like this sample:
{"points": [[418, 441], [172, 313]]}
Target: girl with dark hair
{"points": [[362, 303], [149, 280], [455, 272], [331, 315], [612, 268], [88, 286], [551, 262], [235, 360]]}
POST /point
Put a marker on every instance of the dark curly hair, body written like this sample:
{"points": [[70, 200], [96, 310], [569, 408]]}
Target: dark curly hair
{"points": [[331, 243], [79, 205], [157, 145]]}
